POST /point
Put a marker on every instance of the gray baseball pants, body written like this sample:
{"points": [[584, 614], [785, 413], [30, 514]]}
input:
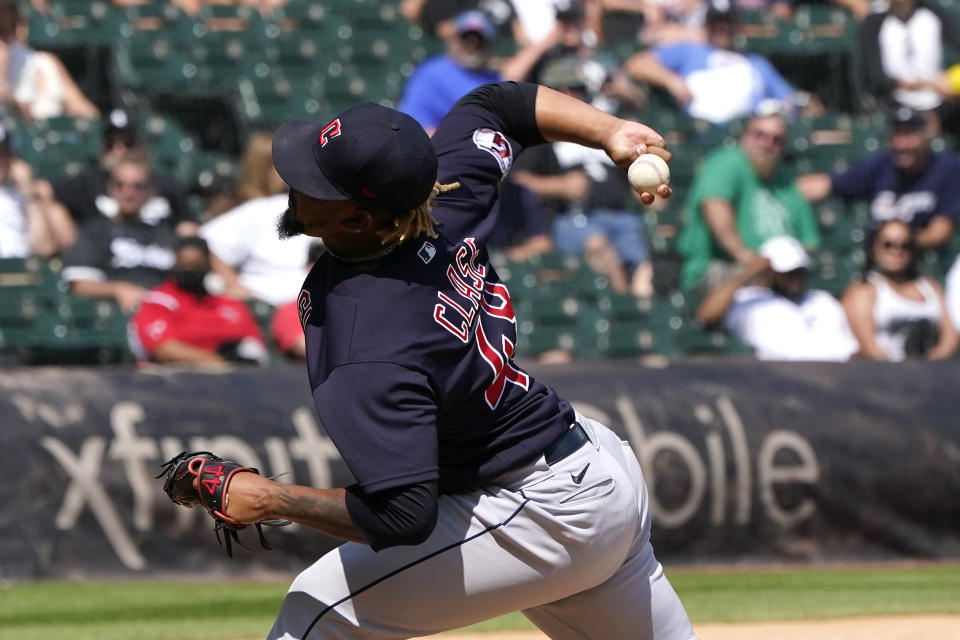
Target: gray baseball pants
{"points": [[574, 557]]}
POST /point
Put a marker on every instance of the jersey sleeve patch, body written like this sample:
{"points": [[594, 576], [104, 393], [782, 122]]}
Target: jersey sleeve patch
{"points": [[497, 145], [304, 307]]}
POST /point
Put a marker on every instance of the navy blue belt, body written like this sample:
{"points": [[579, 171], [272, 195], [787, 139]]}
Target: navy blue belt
{"points": [[572, 439]]}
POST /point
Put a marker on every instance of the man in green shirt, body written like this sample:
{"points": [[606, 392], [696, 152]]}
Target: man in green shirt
{"points": [[741, 197]]}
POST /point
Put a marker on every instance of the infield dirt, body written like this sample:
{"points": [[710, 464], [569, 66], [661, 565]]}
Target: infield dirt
{"points": [[871, 628]]}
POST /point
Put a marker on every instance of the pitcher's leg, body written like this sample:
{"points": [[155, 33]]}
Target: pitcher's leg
{"points": [[638, 603], [489, 555]]}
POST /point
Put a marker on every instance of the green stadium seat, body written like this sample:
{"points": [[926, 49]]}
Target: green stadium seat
{"points": [[274, 99], [227, 56], [78, 23], [263, 313], [631, 339], [827, 28], [370, 16], [165, 17], [342, 86], [533, 339], [168, 141], [761, 32], [834, 271], [550, 306], [299, 16], [31, 274], [626, 308], [301, 55], [60, 146], [156, 61]]}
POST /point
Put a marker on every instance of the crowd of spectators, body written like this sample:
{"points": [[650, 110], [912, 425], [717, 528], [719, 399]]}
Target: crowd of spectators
{"points": [[748, 238]]}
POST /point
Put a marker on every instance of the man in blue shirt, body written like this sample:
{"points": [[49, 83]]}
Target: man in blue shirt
{"points": [[439, 82], [907, 182], [711, 80]]}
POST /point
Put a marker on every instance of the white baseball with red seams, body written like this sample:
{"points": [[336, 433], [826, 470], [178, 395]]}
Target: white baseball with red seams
{"points": [[648, 172]]}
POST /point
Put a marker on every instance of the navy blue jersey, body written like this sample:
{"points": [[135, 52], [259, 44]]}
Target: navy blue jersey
{"points": [[411, 364], [894, 196]]}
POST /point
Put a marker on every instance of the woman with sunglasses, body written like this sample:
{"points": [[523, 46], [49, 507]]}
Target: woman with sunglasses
{"points": [[895, 312]]}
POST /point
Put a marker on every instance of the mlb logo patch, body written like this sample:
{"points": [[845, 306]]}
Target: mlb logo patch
{"points": [[426, 252]]}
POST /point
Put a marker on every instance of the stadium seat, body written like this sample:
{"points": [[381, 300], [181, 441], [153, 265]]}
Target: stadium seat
{"points": [[60, 146], [156, 60], [276, 98], [533, 339], [77, 23], [304, 16], [550, 306], [263, 313], [158, 16], [31, 274]]}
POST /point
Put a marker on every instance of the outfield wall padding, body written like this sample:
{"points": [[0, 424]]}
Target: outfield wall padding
{"points": [[745, 461]]}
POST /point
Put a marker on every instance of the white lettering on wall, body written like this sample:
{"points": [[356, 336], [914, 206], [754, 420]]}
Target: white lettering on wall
{"points": [[714, 472], [722, 479]]}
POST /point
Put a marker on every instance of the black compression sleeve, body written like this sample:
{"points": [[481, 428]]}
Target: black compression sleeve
{"points": [[515, 103], [405, 515]]}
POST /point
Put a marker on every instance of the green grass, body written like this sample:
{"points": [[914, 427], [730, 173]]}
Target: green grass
{"points": [[219, 611], [813, 594]]}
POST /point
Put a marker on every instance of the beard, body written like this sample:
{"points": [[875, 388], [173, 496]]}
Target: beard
{"points": [[287, 224]]}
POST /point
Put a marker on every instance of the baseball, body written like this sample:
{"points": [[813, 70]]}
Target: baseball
{"points": [[648, 172]]}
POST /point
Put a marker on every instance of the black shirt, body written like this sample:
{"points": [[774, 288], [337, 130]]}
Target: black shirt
{"points": [[609, 188], [125, 250]]}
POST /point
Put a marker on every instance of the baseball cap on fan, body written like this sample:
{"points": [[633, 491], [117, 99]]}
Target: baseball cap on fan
{"points": [[785, 254], [721, 11], [907, 118], [369, 153], [475, 22]]}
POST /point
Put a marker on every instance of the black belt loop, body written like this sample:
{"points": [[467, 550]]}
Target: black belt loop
{"points": [[570, 441]]}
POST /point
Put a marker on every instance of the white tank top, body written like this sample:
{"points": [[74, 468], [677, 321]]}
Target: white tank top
{"points": [[894, 316]]}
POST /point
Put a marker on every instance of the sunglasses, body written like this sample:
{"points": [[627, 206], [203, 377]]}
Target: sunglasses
{"points": [[903, 246], [139, 186], [772, 138]]}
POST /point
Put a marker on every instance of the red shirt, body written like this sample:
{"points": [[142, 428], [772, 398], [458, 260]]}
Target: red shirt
{"points": [[285, 328], [169, 313]]}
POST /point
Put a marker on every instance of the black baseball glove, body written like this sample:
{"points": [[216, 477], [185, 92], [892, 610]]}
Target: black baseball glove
{"points": [[213, 475]]}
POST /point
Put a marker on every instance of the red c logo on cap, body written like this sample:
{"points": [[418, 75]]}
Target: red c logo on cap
{"points": [[332, 130]]}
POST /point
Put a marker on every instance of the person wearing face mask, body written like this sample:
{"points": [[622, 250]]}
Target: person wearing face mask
{"points": [[741, 197], [181, 321], [908, 182], [769, 307], [895, 312]]}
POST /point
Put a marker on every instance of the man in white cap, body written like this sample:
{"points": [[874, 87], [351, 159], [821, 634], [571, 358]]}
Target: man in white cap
{"points": [[769, 307]]}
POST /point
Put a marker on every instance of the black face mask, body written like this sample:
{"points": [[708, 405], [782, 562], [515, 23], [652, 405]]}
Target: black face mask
{"points": [[191, 280]]}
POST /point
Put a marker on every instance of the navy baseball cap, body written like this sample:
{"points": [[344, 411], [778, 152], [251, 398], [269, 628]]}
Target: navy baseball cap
{"points": [[907, 118], [369, 153]]}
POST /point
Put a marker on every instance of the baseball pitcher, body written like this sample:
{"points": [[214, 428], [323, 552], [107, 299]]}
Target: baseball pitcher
{"points": [[479, 491]]}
